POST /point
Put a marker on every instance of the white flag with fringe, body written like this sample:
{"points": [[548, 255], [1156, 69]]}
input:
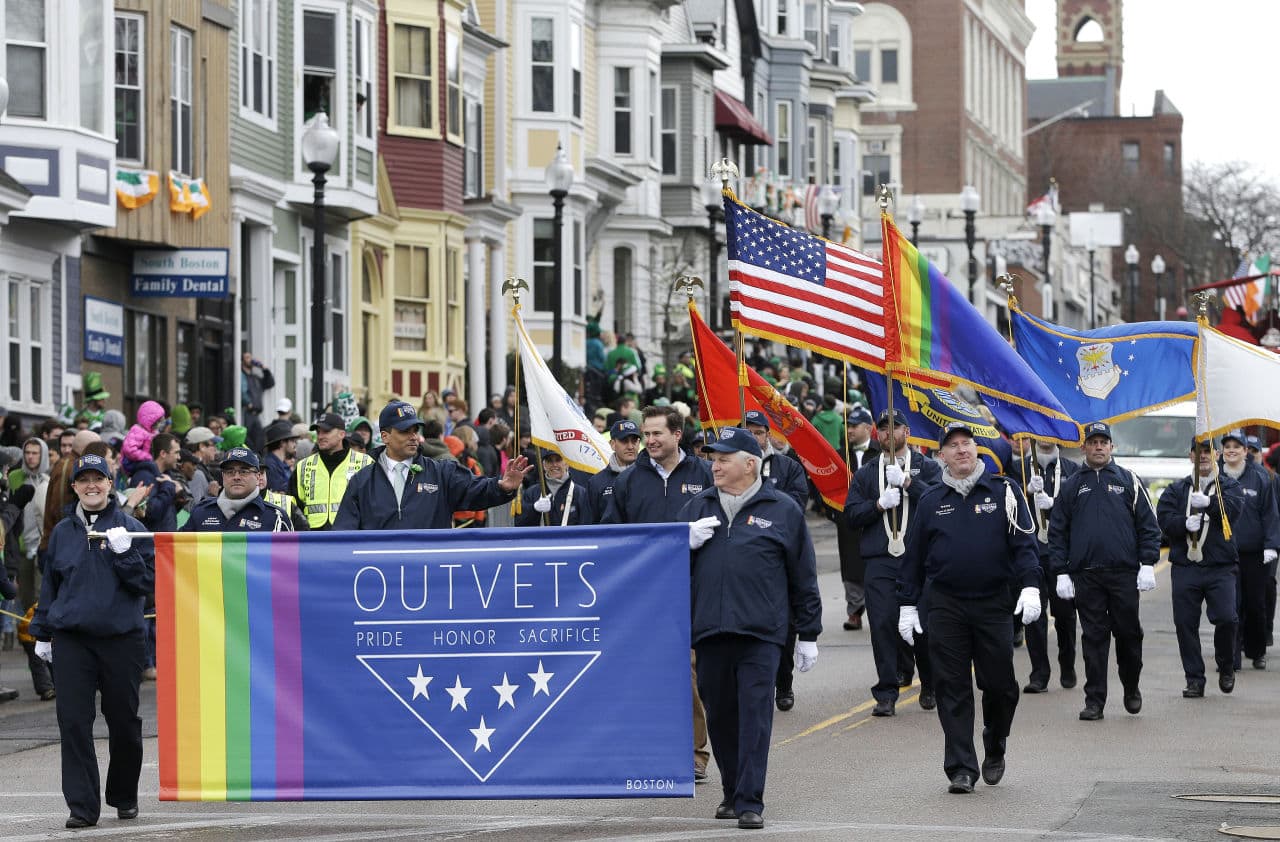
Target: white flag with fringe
{"points": [[1237, 384]]}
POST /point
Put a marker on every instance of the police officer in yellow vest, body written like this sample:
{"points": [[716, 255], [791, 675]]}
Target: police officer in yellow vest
{"points": [[319, 481]]}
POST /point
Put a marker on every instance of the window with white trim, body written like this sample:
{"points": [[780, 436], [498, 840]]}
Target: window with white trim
{"points": [[670, 123], [413, 297], [542, 56], [412, 77], [578, 241], [623, 257], [453, 86], [652, 93], [180, 131], [545, 285], [92, 66], [575, 67], [834, 55], [319, 63], [146, 354], [784, 138], [258, 58], [811, 152], [336, 294], [812, 20], [364, 69], [28, 365], [26, 51], [130, 71], [473, 157], [454, 329], [622, 110]]}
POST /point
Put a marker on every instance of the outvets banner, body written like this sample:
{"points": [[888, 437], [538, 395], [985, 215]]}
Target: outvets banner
{"points": [[496, 663], [717, 385]]}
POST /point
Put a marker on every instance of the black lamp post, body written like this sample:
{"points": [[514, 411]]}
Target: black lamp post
{"points": [[559, 179], [828, 203], [969, 202], [711, 199], [1046, 216], [915, 215], [319, 150], [1157, 269], [1131, 260]]}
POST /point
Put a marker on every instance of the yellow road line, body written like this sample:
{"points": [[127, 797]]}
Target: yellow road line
{"points": [[834, 720]]}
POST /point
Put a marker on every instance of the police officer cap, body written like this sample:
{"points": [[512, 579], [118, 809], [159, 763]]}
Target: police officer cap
{"points": [[399, 415], [755, 416], [1196, 444], [243, 455], [860, 415], [329, 421], [548, 453], [624, 429], [954, 427], [899, 419], [1097, 428], [90, 462], [1237, 435], [1253, 443], [734, 440]]}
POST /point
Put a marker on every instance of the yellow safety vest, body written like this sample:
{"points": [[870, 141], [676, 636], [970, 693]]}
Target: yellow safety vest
{"points": [[279, 498], [321, 493]]}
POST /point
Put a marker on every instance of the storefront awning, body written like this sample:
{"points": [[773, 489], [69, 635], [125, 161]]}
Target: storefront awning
{"points": [[735, 119]]}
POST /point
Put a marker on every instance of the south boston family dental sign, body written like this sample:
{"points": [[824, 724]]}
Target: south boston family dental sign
{"points": [[180, 273]]}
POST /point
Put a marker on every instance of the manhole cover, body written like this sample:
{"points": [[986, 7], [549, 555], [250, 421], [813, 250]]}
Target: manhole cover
{"points": [[1251, 832], [1233, 799]]}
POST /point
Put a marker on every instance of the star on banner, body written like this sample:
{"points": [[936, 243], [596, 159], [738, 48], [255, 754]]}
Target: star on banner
{"points": [[420, 683], [457, 694], [506, 692], [541, 678], [482, 735]]}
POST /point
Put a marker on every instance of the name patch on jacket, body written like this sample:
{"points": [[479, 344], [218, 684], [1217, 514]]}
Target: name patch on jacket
{"points": [[428, 487], [945, 509], [759, 521], [1250, 492], [986, 507], [1084, 489], [1116, 489], [690, 488], [250, 524]]}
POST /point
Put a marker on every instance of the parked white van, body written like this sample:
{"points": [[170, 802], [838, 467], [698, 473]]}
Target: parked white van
{"points": [[1157, 446]]}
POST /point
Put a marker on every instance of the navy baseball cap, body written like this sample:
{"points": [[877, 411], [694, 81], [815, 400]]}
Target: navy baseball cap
{"points": [[734, 440], [954, 427], [755, 416], [399, 415], [1253, 443], [860, 415], [1097, 428], [243, 455], [1237, 434], [90, 462], [899, 419], [624, 429], [1196, 444]]}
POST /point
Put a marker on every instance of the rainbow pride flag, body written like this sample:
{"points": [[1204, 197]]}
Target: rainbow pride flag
{"points": [[934, 336]]}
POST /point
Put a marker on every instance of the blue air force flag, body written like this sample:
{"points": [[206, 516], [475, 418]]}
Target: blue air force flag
{"points": [[930, 410]]}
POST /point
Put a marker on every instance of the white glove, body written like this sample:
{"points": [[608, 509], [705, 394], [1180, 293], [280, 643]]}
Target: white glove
{"points": [[806, 654], [542, 504], [1194, 522], [701, 530], [118, 539], [890, 498], [1146, 578], [1028, 606], [894, 476], [1036, 484], [1043, 501], [1066, 588], [1269, 556], [909, 624], [44, 651], [1199, 501]]}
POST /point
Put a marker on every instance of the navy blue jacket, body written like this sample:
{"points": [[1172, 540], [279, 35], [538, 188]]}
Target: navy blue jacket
{"points": [[430, 498], [1100, 519], [529, 516], [862, 513], [256, 516], [87, 588], [1258, 526], [1023, 470], [161, 515], [278, 472], [754, 573], [1172, 514], [599, 490], [965, 546], [640, 495], [788, 476]]}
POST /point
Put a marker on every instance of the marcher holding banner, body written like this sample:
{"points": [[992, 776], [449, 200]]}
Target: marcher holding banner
{"points": [[753, 567]]}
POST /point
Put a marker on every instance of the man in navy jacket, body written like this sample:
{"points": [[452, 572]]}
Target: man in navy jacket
{"points": [[564, 503], [1257, 537], [239, 507], [753, 572], [624, 440]]}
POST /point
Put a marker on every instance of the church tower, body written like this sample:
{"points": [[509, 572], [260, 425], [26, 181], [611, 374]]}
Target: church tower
{"points": [[1091, 43]]}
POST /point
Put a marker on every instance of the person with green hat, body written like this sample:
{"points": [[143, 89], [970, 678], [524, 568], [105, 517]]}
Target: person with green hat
{"points": [[233, 436], [94, 398]]}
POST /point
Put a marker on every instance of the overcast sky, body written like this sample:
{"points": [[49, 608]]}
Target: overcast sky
{"points": [[1213, 62]]}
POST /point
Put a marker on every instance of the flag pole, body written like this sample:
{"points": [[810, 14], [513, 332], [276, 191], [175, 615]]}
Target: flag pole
{"points": [[1005, 282], [738, 342], [514, 285], [690, 282], [884, 198], [725, 170], [1202, 300]]}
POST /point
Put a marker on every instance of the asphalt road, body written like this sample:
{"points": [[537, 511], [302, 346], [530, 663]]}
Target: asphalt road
{"points": [[835, 773]]}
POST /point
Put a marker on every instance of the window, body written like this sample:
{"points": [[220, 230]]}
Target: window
{"points": [[577, 267], [622, 110], [319, 63], [362, 65], [811, 26], [335, 293], [700, 142], [653, 114], [888, 67], [542, 56], [875, 171], [29, 376], [833, 45], [1129, 156], [25, 52], [783, 16], [453, 327], [413, 77], [862, 65], [545, 287], [453, 85], [146, 352], [92, 66], [835, 166], [1170, 159], [575, 60], [129, 70], [784, 139], [621, 288], [180, 133], [258, 57], [811, 152], [413, 292], [473, 158], [670, 101]]}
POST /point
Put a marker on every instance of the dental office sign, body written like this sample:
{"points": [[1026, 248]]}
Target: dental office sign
{"points": [[180, 273], [103, 331]]}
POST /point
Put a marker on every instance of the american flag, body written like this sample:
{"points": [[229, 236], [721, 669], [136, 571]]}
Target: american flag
{"points": [[812, 219], [801, 290], [1235, 295]]}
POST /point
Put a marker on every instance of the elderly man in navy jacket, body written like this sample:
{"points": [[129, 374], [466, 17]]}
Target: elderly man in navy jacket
{"points": [[972, 536], [403, 489], [1257, 536], [752, 567]]}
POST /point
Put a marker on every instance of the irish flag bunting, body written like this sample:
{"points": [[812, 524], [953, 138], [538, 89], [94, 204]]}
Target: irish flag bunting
{"points": [[135, 188], [188, 195]]}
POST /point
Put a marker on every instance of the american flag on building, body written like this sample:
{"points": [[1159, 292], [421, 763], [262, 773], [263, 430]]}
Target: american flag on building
{"points": [[801, 290]]}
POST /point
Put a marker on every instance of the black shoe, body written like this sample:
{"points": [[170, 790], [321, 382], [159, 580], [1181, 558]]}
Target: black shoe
{"points": [[1133, 701], [1226, 681], [1019, 634], [1036, 687], [928, 701], [854, 623], [75, 823], [1194, 690], [1260, 663], [726, 811], [751, 820], [785, 700], [1067, 679], [992, 769], [884, 708], [48, 695], [961, 784], [1270, 640], [8, 694], [126, 813], [1091, 713], [904, 679]]}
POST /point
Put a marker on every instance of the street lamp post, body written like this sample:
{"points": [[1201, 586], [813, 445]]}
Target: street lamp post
{"points": [[559, 179], [711, 198], [828, 202], [1131, 259], [969, 202], [319, 150], [915, 215], [1046, 216], [1157, 269], [1092, 247]]}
